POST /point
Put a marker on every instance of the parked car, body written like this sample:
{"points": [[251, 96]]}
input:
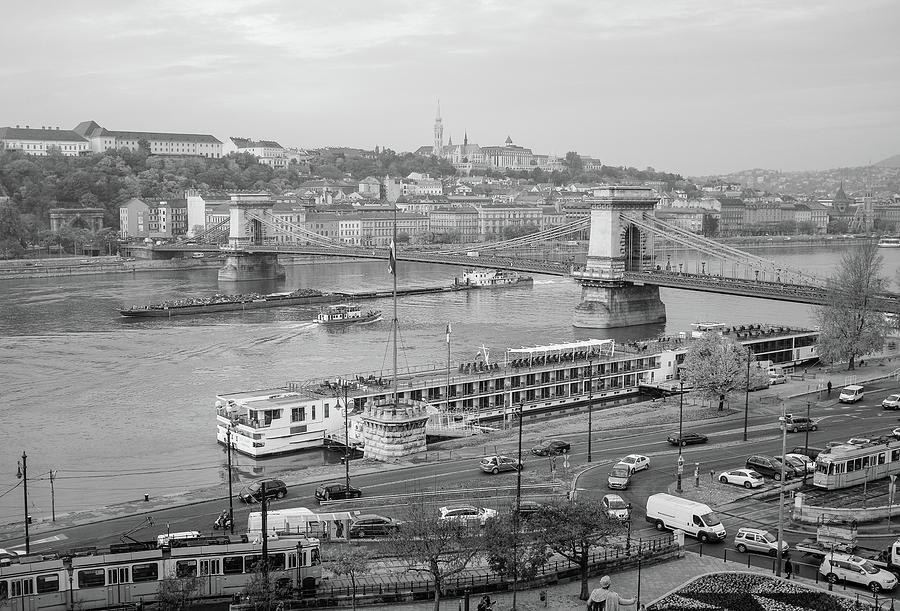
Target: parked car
{"points": [[636, 462], [770, 466], [615, 507], [840, 567], [810, 451], [758, 540], [801, 467], [496, 464], [891, 402], [275, 489], [336, 491], [687, 438], [373, 525], [807, 462], [550, 447], [852, 393], [7, 557], [468, 514], [858, 441], [795, 424], [748, 478], [777, 378]]}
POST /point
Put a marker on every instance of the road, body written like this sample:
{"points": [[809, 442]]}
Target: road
{"points": [[725, 449]]}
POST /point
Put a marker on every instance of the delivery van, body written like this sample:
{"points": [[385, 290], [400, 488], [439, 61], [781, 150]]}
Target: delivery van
{"points": [[175, 539], [288, 521], [852, 394], [696, 519]]}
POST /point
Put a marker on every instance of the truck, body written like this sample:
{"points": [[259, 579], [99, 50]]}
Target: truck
{"points": [[840, 537], [666, 511]]}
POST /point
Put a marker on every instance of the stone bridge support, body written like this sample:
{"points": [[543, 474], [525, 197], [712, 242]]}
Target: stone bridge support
{"points": [[248, 228], [618, 246]]}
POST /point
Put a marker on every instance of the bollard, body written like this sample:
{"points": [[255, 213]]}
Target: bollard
{"points": [[146, 497]]}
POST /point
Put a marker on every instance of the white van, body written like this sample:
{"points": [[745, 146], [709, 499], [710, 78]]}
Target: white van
{"points": [[288, 521], [852, 394], [696, 519], [173, 539]]}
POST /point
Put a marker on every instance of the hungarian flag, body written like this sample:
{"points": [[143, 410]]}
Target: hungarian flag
{"points": [[392, 261], [448, 332]]}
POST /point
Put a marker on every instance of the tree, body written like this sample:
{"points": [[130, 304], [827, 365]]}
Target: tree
{"points": [[571, 529], [574, 162], [263, 591], [428, 544], [850, 325], [717, 365], [512, 553], [351, 560], [176, 593]]}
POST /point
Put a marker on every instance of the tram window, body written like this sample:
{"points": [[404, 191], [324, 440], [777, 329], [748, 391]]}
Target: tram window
{"points": [[251, 562], [314, 557], [145, 572], [4, 590], [233, 565], [91, 578], [117, 575], [276, 562], [47, 583], [186, 568], [292, 560], [895, 455], [858, 464], [21, 587], [850, 466], [865, 461], [881, 458]]}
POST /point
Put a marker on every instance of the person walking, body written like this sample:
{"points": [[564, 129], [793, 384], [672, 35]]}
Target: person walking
{"points": [[604, 599], [829, 388], [788, 569]]}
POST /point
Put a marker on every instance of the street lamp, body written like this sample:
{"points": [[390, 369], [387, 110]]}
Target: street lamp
{"points": [[783, 422], [344, 385], [806, 444], [747, 394], [590, 401], [518, 510], [628, 536], [22, 473], [680, 441], [230, 493]]}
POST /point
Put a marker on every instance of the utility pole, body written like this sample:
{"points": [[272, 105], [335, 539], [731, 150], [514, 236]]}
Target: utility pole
{"points": [[346, 437], [264, 505], [781, 493], [680, 467], [590, 401], [22, 473], [230, 492], [52, 497], [518, 509], [747, 394]]}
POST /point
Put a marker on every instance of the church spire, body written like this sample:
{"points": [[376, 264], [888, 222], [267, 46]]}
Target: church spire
{"points": [[437, 148], [466, 138]]}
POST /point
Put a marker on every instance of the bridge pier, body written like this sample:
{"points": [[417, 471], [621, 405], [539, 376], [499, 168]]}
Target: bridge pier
{"points": [[625, 305], [240, 267]]}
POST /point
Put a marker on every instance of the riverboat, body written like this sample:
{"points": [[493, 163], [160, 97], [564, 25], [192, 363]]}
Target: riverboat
{"points": [[783, 346], [228, 303], [889, 242], [344, 313], [490, 278], [558, 378]]}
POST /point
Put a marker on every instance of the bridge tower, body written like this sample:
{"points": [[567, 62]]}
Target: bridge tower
{"points": [[249, 229], [617, 246]]}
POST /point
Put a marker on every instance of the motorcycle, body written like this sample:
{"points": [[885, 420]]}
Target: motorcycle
{"points": [[223, 522]]}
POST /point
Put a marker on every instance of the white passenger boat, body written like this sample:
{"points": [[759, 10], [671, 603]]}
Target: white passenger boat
{"points": [[889, 242], [344, 313], [488, 278]]}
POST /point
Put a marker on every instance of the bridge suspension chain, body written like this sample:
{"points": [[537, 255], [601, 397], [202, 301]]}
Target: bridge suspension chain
{"points": [[207, 235], [531, 239], [296, 231]]}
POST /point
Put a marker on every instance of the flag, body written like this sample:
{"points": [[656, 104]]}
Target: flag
{"points": [[392, 261], [448, 332]]}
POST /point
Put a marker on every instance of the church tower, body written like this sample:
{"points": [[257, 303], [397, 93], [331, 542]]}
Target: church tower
{"points": [[438, 148]]}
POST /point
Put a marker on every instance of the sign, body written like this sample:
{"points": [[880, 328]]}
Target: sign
{"points": [[680, 465]]}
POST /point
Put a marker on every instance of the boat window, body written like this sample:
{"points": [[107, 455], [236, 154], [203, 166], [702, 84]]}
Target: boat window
{"points": [[298, 414], [312, 410], [326, 411]]}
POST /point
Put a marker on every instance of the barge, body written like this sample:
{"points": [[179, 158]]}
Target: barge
{"points": [[558, 378]]}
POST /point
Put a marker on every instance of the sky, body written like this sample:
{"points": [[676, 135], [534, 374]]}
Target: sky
{"points": [[692, 87]]}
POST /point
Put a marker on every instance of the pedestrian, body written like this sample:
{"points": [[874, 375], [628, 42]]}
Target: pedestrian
{"points": [[486, 604], [829, 388], [788, 569], [604, 599]]}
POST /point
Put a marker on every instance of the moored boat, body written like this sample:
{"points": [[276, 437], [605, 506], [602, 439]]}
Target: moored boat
{"points": [[226, 303], [489, 278], [889, 242], [345, 313]]}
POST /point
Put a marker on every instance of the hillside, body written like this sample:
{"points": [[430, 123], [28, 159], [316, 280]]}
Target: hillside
{"points": [[890, 162]]}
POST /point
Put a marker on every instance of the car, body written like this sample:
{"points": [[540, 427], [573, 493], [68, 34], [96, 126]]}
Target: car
{"points": [[687, 438], [373, 525], [758, 540], [615, 507], [778, 378], [852, 394], [770, 466], [636, 462], [795, 424], [858, 441], [847, 567], [336, 491], [810, 451], [550, 447], [619, 476], [809, 462], [896, 432], [496, 464], [891, 402], [7, 557], [275, 489], [801, 466], [467, 514], [748, 478]]}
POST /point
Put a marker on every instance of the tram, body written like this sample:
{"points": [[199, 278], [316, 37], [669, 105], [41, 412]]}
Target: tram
{"points": [[852, 464], [105, 580]]}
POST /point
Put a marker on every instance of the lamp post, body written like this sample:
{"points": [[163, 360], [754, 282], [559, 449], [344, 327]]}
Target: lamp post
{"points": [[628, 536], [747, 394], [22, 473], [590, 402], [346, 437], [518, 510], [680, 440], [806, 443], [781, 493], [230, 493]]}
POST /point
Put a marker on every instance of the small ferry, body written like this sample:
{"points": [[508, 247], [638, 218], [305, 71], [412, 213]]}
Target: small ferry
{"points": [[344, 313], [889, 242], [489, 278]]}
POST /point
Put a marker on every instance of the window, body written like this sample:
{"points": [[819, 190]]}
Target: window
{"points": [[145, 572], [326, 411], [276, 562], [4, 590], [186, 568], [233, 565], [251, 562], [298, 414], [47, 583], [22, 587], [91, 578], [117, 575]]}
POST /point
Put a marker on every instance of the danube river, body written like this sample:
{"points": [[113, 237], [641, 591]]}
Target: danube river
{"points": [[119, 407]]}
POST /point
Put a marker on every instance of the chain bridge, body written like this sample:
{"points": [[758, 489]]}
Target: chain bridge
{"points": [[630, 254]]}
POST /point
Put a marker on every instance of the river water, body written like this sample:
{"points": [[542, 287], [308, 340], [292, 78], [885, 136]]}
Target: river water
{"points": [[121, 407]]}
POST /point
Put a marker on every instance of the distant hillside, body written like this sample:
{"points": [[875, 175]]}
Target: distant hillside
{"points": [[890, 162]]}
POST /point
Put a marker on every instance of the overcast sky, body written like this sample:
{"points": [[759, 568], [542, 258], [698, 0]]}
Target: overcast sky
{"points": [[687, 87]]}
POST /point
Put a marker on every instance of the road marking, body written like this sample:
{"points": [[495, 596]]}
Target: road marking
{"points": [[40, 541]]}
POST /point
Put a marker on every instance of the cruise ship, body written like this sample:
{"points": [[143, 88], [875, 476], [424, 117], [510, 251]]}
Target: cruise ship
{"points": [[557, 378]]}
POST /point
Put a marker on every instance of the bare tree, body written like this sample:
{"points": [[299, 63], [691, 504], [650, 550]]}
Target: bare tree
{"points": [[717, 365], [428, 544], [514, 550], [850, 325], [351, 560], [176, 593], [571, 529]]}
